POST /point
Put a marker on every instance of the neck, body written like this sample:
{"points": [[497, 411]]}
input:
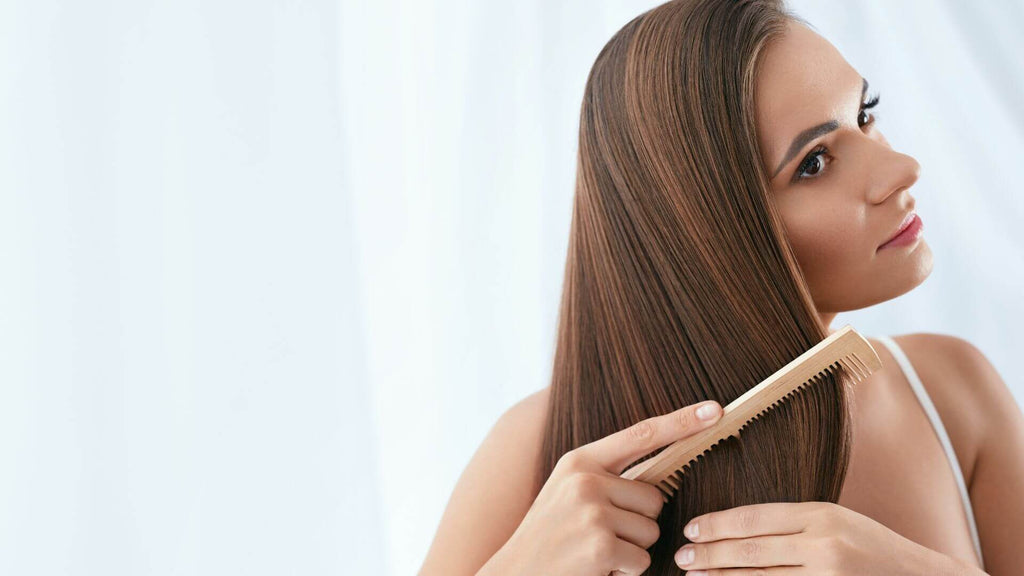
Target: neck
{"points": [[827, 319]]}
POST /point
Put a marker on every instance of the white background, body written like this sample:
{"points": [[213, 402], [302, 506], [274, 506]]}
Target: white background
{"points": [[269, 271]]}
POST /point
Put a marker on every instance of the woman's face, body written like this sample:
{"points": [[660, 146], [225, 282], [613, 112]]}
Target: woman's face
{"points": [[841, 205]]}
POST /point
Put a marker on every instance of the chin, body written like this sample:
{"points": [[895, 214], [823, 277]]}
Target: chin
{"points": [[920, 259], [903, 273]]}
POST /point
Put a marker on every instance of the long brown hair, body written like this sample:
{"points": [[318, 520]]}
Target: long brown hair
{"points": [[680, 285]]}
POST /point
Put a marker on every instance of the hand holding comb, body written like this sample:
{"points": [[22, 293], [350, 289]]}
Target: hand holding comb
{"points": [[845, 348]]}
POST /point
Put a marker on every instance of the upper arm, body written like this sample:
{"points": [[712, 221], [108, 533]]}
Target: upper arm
{"points": [[493, 493], [997, 483]]}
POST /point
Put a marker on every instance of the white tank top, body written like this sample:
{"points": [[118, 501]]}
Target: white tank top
{"points": [[940, 431]]}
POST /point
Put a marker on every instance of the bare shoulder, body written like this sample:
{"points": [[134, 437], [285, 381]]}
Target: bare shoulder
{"points": [[522, 425], [493, 493], [964, 386], [530, 411]]}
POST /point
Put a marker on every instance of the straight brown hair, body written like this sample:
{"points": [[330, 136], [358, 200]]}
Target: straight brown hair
{"points": [[680, 284]]}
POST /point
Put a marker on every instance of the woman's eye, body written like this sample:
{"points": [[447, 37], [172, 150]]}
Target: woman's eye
{"points": [[812, 165], [868, 118]]}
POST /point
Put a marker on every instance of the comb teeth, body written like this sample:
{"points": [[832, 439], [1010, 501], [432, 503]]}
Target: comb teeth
{"points": [[673, 482], [845, 351], [861, 371]]}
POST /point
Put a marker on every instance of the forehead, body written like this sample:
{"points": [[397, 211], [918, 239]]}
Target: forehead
{"points": [[802, 81]]}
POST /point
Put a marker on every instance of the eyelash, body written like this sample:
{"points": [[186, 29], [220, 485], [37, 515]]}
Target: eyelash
{"points": [[822, 149]]}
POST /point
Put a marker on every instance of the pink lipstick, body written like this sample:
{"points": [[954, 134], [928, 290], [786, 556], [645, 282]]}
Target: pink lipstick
{"points": [[908, 235]]}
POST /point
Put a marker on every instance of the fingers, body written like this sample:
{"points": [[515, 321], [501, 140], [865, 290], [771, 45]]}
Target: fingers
{"points": [[630, 559], [634, 528], [638, 497], [752, 520], [758, 552], [616, 451]]}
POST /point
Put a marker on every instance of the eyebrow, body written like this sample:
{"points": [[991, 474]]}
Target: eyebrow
{"points": [[813, 132]]}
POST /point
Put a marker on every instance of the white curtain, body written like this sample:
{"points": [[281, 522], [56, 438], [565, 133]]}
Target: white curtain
{"points": [[270, 270]]}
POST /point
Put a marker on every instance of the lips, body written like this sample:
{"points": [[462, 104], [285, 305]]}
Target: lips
{"points": [[903, 225]]}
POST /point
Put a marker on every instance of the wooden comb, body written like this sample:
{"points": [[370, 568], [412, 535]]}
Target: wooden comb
{"points": [[845, 348]]}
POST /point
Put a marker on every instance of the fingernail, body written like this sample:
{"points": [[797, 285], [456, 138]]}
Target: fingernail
{"points": [[696, 573], [707, 411], [692, 530], [684, 556]]}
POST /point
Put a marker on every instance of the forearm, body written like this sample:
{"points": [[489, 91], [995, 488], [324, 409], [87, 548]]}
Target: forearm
{"points": [[501, 564]]}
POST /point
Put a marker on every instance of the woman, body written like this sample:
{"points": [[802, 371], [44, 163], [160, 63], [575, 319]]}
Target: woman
{"points": [[733, 194]]}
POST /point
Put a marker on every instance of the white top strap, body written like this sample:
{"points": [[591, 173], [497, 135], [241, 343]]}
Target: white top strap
{"points": [[940, 431]]}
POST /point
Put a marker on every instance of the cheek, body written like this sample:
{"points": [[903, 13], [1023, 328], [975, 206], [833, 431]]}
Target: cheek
{"points": [[829, 245]]}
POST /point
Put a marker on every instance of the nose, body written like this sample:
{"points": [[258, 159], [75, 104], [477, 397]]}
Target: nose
{"points": [[893, 172]]}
